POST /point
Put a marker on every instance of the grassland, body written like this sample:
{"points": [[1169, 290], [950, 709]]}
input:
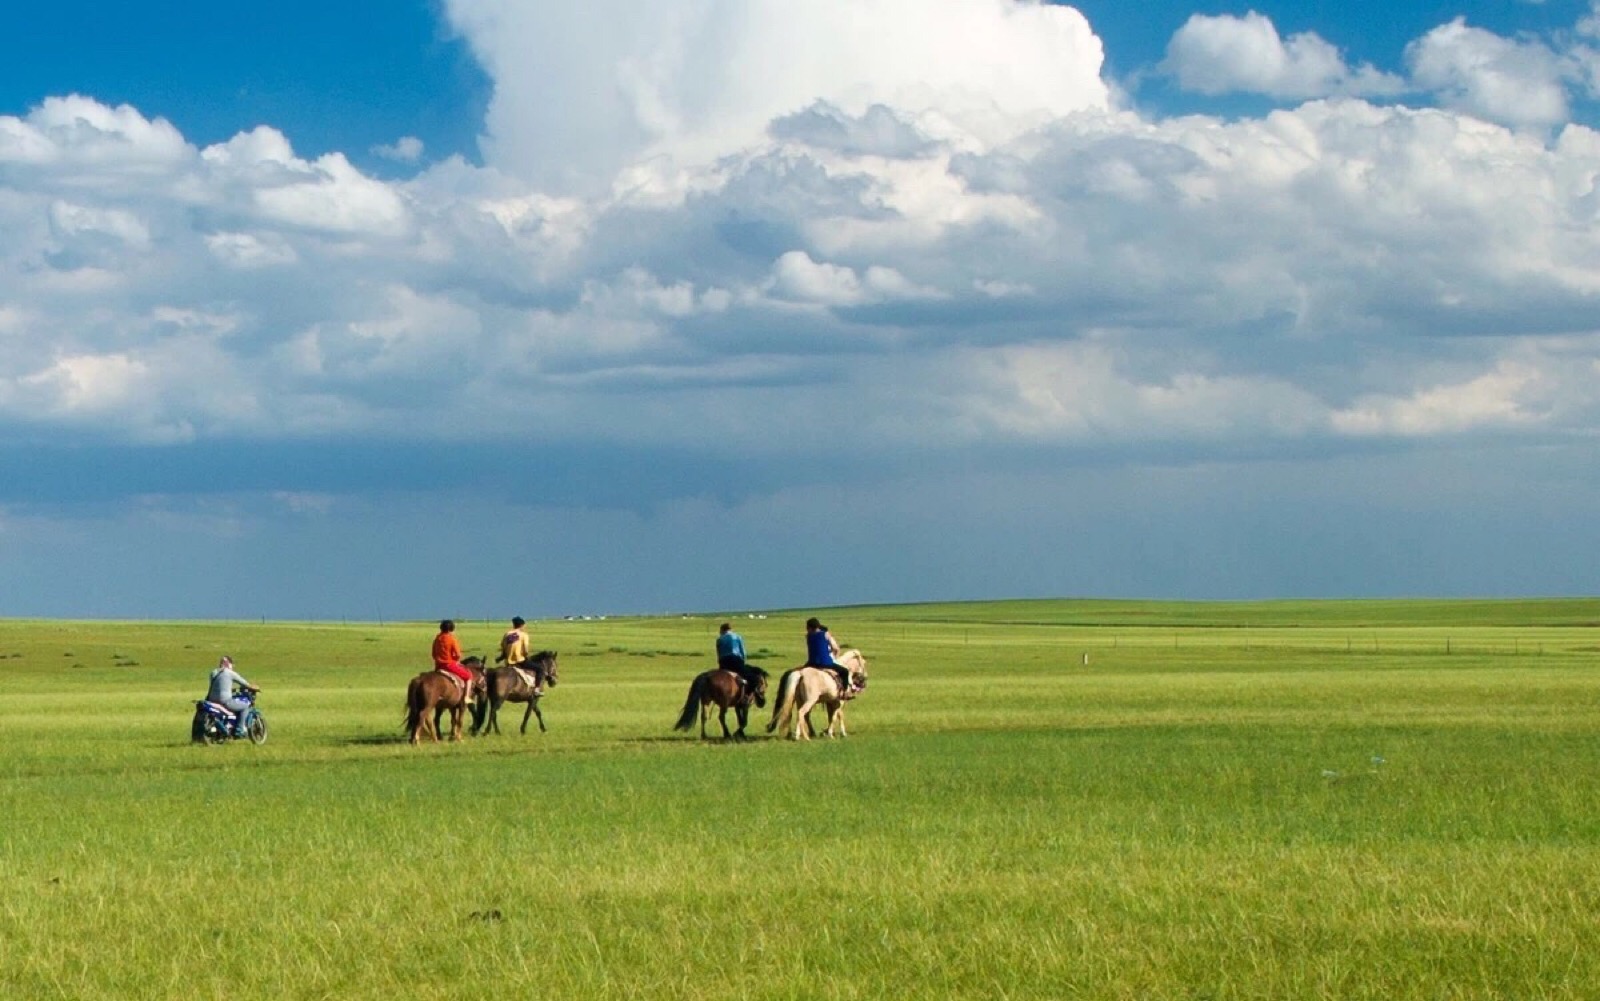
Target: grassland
{"points": [[1038, 800]]}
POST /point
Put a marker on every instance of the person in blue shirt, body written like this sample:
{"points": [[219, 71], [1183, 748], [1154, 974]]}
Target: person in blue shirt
{"points": [[730, 654], [820, 650], [223, 681]]}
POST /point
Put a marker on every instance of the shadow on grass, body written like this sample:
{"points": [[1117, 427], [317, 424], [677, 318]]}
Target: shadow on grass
{"points": [[749, 738], [374, 740]]}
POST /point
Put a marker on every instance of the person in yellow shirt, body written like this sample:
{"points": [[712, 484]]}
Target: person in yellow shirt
{"points": [[514, 648]]}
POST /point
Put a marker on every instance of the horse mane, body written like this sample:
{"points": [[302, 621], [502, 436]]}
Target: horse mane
{"points": [[854, 654]]}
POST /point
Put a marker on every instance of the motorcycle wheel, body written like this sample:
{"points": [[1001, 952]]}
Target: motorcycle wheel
{"points": [[197, 728], [257, 728], [213, 732]]}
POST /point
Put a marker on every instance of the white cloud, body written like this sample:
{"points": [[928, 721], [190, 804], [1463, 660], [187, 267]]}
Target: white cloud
{"points": [[863, 259], [797, 278], [1496, 399], [248, 250], [406, 149], [692, 81], [1225, 54], [81, 133], [878, 130], [1502, 80], [101, 384], [72, 221], [1080, 393], [337, 198]]}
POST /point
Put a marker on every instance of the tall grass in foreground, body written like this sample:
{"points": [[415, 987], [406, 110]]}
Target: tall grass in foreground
{"points": [[1035, 803]]}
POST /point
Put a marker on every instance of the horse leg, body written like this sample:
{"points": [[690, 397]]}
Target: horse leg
{"points": [[801, 726], [835, 712], [722, 717], [527, 713], [742, 713], [533, 705], [493, 726], [455, 722]]}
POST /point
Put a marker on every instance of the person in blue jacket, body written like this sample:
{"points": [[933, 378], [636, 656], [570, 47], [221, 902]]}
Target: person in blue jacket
{"points": [[821, 648], [730, 654]]}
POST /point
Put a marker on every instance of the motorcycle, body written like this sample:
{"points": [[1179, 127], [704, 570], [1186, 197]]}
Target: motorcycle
{"points": [[214, 724]]}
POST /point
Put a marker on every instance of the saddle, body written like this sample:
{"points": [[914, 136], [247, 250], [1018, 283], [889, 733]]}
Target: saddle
{"points": [[528, 677], [461, 686]]}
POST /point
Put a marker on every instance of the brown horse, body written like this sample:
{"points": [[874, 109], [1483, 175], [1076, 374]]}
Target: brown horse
{"points": [[432, 692], [723, 688], [508, 684]]}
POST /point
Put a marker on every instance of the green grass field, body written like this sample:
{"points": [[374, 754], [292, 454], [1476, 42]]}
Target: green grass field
{"points": [[1038, 800]]}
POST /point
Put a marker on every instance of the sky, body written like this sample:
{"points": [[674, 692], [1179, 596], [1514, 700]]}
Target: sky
{"points": [[473, 308]]}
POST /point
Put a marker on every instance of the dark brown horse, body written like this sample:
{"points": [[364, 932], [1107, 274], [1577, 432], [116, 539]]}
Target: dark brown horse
{"points": [[432, 692], [722, 688], [508, 684]]}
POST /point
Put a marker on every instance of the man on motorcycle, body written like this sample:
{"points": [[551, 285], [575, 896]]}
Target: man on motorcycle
{"points": [[223, 681]]}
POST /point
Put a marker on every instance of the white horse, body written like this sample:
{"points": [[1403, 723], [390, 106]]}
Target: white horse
{"points": [[801, 688]]}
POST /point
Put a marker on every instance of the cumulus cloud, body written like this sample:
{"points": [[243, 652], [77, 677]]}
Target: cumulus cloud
{"points": [[82, 135], [877, 131], [1522, 82], [1494, 399], [689, 82], [406, 149], [1500, 79], [983, 253], [1225, 54]]}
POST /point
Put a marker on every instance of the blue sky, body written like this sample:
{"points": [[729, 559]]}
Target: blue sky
{"points": [[482, 307]]}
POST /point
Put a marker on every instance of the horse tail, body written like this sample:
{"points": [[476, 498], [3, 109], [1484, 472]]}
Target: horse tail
{"points": [[691, 706], [785, 700], [413, 705]]}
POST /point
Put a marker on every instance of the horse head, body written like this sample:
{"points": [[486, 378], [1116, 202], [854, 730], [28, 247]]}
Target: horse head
{"points": [[856, 664], [479, 686], [546, 661], [758, 690]]}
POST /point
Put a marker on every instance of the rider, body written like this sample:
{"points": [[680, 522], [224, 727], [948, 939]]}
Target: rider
{"points": [[515, 648], [223, 681], [447, 655], [730, 655], [821, 648]]}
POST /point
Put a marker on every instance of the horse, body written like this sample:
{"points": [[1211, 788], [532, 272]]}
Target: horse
{"points": [[801, 688], [510, 684], [432, 692], [723, 688]]}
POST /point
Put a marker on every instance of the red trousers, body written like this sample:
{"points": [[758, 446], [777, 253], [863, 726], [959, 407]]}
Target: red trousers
{"points": [[457, 670]]}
